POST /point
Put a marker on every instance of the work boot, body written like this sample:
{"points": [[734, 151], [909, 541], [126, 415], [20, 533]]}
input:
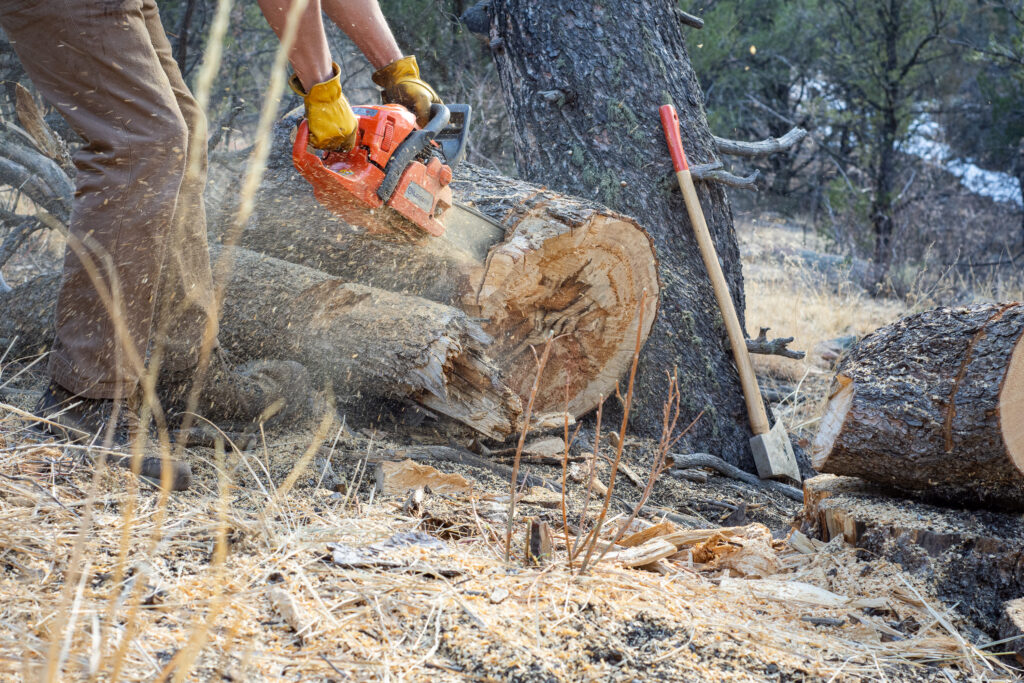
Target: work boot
{"points": [[238, 398], [107, 423]]}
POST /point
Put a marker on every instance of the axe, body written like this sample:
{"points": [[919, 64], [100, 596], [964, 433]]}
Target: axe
{"points": [[773, 452]]}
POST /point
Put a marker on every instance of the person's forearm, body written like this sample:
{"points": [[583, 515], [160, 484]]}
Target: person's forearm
{"points": [[310, 56], [364, 23]]}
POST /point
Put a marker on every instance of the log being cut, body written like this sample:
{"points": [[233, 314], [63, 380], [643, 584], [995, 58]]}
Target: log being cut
{"points": [[564, 266], [362, 342], [933, 403]]}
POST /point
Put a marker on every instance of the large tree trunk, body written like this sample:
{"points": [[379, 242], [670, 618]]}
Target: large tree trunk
{"points": [[565, 266], [582, 83], [364, 343], [934, 403]]}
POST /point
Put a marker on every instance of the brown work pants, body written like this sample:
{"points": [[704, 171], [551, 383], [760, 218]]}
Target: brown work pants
{"points": [[137, 252]]}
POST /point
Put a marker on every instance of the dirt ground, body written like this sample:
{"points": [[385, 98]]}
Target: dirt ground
{"points": [[286, 560]]}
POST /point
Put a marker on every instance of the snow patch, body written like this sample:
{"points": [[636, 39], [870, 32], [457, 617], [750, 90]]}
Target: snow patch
{"points": [[925, 143]]}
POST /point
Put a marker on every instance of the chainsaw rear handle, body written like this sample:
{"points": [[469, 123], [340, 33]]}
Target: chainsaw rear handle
{"points": [[414, 145]]}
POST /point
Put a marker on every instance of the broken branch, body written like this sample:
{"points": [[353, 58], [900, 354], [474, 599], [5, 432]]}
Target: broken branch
{"points": [[690, 460], [761, 148], [688, 19], [773, 347], [713, 173]]}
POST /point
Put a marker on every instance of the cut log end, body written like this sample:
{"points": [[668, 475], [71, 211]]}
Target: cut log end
{"points": [[1011, 407], [585, 286], [831, 424]]}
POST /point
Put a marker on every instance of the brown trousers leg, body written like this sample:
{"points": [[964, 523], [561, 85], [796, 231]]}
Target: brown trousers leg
{"points": [[106, 67], [185, 296]]}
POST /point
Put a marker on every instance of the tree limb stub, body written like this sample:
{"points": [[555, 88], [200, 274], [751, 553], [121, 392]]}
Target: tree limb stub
{"points": [[761, 148], [773, 347], [713, 173], [688, 19]]}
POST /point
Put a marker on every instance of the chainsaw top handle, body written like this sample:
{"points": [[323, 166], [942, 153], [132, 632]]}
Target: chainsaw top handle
{"points": [[415, 144]]}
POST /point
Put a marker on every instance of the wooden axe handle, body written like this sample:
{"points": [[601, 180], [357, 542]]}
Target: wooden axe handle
{"points": [[751, 392]]}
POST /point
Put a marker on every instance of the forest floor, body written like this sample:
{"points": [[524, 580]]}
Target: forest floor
{"points": [[286, 561]]}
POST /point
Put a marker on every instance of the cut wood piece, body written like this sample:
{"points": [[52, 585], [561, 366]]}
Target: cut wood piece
{"points": [[645, 553], [785, 591], [971, 557], [571, 268], [399, 477], [1011, 627], [934, 403], [566, 265], [366, 341], [360, 341]]}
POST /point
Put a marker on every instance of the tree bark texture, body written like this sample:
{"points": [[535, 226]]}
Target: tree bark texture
{"points": [[363, 343], [975, 559], [933, 403], [582, 83], [566, 267]]}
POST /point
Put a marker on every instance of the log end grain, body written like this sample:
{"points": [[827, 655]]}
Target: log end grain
{"points": [[581, 280]]}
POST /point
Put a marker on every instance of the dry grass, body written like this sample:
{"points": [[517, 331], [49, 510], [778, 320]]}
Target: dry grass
{"points": [[218, 590], [784, 294]]}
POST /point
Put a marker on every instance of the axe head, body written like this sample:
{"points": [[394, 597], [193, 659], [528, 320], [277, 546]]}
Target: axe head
{"points": [[773, 454]]}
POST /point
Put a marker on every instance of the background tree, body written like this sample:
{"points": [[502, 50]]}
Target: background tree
{"points": [[986, 121], [881, 59], [758, 81]]}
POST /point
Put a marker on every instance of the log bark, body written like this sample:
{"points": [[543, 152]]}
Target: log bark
{"points": [[566, 266], [934, 403], [364, 343], [582, 83], [974, 559]]}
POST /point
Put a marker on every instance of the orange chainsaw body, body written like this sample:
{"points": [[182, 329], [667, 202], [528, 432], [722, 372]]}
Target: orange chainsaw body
{"points": [[350, 183]]}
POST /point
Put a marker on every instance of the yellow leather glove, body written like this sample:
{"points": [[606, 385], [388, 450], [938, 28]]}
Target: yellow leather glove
{"points": [[402, 85], [332, 123]]}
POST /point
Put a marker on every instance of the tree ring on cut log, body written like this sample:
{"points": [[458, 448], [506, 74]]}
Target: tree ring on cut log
{"points": [[579, 277]]}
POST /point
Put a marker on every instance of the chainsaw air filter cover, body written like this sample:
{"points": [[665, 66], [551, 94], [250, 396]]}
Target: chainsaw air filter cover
{"points": [[391, 181]]}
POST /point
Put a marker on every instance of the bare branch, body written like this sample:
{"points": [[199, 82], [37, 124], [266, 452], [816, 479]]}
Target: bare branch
{"points": [[762, 148], [689, 19], [773, 347], [682, 461], [713, 173]]}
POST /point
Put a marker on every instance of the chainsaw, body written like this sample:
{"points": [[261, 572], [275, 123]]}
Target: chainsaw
{"points": [[393, 181]]}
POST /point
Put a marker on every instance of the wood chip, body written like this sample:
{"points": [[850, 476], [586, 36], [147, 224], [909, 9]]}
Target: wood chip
{"points": [[551, 446], [647, 534], [785, 591], [538, 495], [651, 551], [285, 606], [399, 477], [539, 545]]}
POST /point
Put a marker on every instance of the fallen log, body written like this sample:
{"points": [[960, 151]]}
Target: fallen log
{"points": [[933, 403], [360, 341], [973, 558], [565, 265]]}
